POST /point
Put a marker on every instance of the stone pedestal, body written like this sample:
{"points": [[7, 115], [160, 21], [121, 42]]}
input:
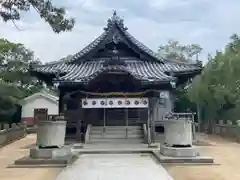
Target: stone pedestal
{"points": [[51, 133], [47, 153], [179, 152], [178, 132]]}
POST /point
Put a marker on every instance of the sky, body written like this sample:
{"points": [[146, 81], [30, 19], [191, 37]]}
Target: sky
{"points": [[208, 23]]}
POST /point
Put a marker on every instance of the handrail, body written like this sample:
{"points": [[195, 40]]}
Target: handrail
{"points": [[87, 134], [145, 134]]}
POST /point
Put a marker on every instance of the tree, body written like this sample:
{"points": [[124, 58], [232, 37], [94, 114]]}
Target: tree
{"points": [[15, 80], [54, 16], [217, 89], [176, 51]]}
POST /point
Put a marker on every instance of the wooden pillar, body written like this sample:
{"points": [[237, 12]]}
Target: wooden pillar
{"points": [[104, 120], [153, 118], [60, 102], [126, 121], [148, 124], [78, 131]]}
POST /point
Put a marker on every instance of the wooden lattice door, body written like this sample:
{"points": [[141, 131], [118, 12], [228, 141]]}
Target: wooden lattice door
{"points": [[40, 115]]}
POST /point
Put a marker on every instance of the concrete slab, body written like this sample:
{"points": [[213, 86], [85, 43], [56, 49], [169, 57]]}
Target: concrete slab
{"points": [[114, 166]]}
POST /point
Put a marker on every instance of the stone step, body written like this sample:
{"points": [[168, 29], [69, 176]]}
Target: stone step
{"points": [[117, 132], [115, 136], [117, 141], [116, 127]]}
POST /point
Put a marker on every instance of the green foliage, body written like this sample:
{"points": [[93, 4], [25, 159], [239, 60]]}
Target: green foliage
{"points": [[54, 16], [176, 51], [182, 53], [15, 80], [217, 89]]}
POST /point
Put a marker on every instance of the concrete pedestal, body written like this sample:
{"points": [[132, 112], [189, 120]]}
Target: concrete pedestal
{"points": [[179, 152], [51, 133], [47, 157], [178, 132], [46, 153]]}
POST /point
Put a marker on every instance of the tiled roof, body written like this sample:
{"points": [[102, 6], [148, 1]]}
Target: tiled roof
{"points": [[142, 70], [77, 69]]}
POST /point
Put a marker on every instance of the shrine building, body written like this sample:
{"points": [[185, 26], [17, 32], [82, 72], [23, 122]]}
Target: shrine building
{"points": [[115, 87]]}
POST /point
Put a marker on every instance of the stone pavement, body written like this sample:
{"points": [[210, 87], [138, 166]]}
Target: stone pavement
{"points": [[16, 150], [114, 166]]}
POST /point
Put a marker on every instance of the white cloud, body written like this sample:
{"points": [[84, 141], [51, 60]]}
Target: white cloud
{"points": [[208, 23]]}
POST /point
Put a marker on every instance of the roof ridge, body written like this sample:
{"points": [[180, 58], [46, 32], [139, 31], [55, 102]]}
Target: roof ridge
{"points": [[111, 22], [197, 63]]}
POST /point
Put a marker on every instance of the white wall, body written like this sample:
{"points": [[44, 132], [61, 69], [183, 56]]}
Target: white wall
{"points": [[40, 102]]}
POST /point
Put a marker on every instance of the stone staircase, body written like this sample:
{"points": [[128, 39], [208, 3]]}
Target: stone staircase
{"points": [[116, 134]]}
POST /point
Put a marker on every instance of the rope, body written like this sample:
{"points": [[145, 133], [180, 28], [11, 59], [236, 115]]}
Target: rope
{"points": [[125, 94]]}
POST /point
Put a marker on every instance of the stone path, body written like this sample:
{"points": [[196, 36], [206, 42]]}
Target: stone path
{"points": [[114, 166]]}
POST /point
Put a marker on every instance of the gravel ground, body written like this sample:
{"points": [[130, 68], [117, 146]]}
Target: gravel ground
{"points": [[16, 150], [224, 152]]}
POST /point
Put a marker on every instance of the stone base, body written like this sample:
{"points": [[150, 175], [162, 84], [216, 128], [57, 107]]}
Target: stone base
{"points": [[179, 152], [78, 146], [47, 157], [183, 160], [27, 162], [46, 153]]}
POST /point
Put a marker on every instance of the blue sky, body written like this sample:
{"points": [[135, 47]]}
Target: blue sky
{"points": [[209, 23]]}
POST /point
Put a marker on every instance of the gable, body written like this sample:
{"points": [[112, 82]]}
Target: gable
{"points": [[39, 95]]}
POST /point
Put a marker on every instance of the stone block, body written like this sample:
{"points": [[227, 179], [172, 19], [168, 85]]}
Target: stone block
{"points": [[179, 152], [220, 122], [217, 130], [46, 153], [229, 122], [3, 137], [13, 125], [238, 122], [6, 126]]}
